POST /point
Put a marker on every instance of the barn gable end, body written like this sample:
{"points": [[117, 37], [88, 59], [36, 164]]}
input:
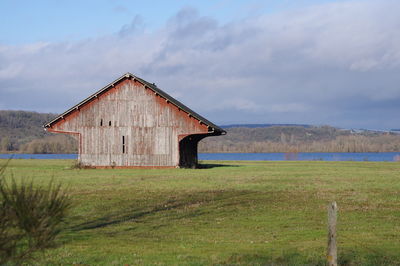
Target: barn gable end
{"points": [[132, 123]]}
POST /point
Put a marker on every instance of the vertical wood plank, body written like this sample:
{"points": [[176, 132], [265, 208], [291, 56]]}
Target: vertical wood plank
{"points": [[151, 126]]}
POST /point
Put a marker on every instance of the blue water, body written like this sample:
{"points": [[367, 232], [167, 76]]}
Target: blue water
{"points": [[39, 156], [373, 157], [303, 156]]}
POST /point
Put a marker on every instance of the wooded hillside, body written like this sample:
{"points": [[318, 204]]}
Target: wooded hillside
{"points": [[22, 131], [301, 139]]}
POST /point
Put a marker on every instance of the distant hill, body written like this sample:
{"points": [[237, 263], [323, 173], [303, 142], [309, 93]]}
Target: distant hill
{"points": [[22, 131], [300, 138], [23, 125], [263, 125]]}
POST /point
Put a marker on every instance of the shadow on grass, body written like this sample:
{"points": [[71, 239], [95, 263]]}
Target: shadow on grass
{"points": [[294, 257], [369, 258], [287, 258], [214, 165], [189, 202]]}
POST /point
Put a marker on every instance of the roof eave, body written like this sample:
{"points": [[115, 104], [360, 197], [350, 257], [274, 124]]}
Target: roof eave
{"points": [[145, 83]]}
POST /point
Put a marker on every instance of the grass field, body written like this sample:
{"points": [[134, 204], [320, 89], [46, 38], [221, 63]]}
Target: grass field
{"points": [[242, 213]]}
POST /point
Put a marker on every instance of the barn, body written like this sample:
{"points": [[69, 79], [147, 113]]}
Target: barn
{"points": [[132, 123]]}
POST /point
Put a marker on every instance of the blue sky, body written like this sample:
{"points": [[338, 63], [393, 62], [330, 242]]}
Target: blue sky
{"points": [[52, 21], [304, 61]]}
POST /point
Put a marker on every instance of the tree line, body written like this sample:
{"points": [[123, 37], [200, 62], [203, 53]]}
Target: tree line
{"points": [[23, 132], [357, 143], [300, 139]]}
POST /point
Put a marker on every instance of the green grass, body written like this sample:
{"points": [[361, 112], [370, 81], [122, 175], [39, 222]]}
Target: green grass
{"points": [[241, 213]]}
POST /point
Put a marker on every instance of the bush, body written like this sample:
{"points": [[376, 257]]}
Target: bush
{"points": [[30, 218]]}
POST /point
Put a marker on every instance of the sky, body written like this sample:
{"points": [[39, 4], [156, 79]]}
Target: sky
{"points": [[320, 62]]}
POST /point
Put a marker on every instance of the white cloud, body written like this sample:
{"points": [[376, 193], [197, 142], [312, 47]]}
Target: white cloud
{"points": [[306, 64], [12, 70]]}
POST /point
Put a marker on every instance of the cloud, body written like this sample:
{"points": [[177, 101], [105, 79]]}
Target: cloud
{"points": [[10, 71], [334, 63], [120, 9], [136, 26]]}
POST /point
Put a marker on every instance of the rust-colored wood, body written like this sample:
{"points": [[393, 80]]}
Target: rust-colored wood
{"points": [[153, 129]]}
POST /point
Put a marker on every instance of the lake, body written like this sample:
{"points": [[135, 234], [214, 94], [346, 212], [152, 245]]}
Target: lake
{"points": [[301, 156]]}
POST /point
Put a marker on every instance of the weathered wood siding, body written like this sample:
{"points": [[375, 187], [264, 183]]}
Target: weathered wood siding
{"points": [[130, 125]]}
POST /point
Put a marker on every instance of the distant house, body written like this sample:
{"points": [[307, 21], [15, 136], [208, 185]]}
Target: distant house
{"points": [[132, 123]]}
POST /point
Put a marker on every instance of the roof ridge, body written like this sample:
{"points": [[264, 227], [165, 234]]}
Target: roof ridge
{"points": [[145, 83]]}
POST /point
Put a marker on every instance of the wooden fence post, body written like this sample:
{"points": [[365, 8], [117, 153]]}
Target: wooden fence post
{"points": [[332, 248]]}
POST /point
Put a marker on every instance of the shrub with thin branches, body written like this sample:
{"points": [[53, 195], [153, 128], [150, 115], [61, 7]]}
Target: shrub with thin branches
{"points": [[30, 217]]}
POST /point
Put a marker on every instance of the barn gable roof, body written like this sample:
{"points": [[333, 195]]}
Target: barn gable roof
{"points": [[212, 127]]}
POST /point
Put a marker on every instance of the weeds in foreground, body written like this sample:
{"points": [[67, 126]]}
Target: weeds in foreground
{"points": [[30, 218]]}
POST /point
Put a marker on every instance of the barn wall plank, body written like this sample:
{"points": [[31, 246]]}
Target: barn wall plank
{"points": [[150, 125]]}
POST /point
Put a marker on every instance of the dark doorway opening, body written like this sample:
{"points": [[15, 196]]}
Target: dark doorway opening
{"points": [[188, 150]]}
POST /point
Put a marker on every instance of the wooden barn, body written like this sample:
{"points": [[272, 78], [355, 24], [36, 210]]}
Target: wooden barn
{"points": [[132, 123]]}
